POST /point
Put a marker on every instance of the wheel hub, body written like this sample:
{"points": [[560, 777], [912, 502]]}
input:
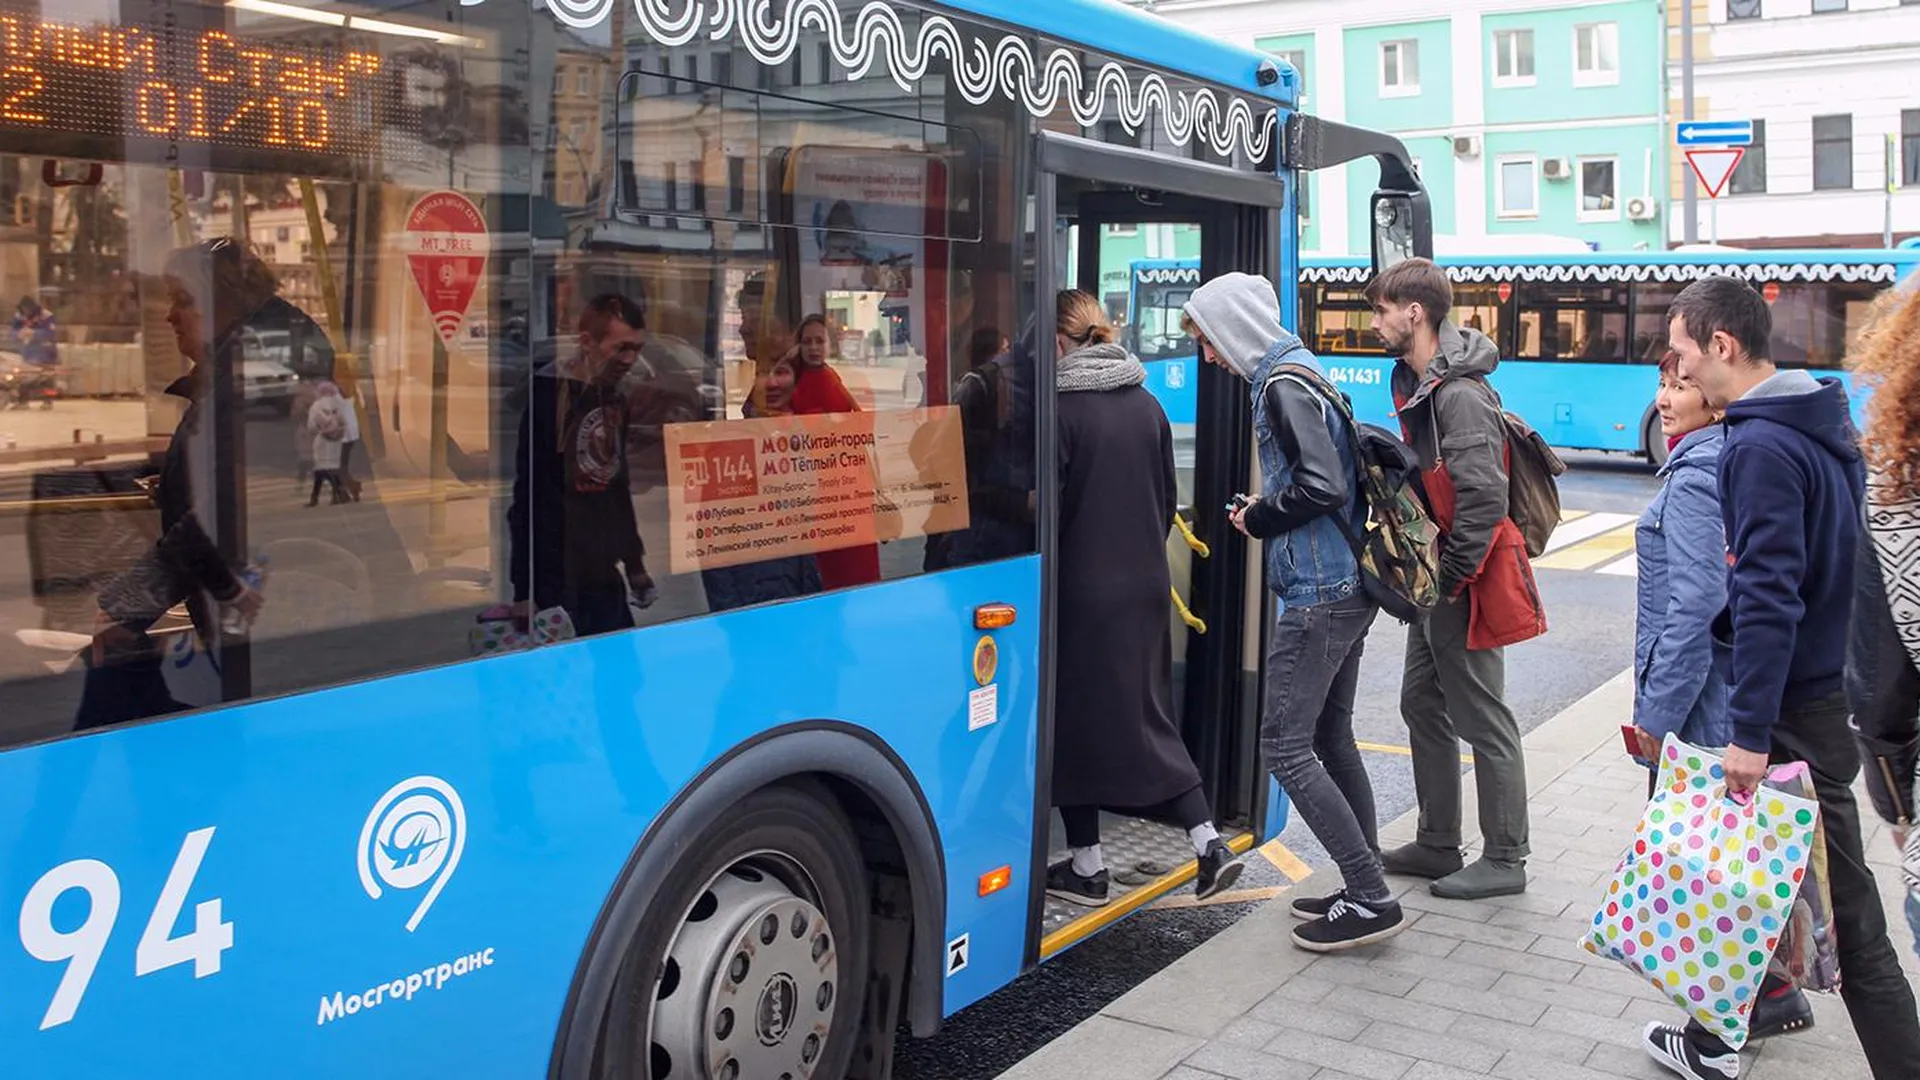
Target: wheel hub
{"points": [[749, 985]]}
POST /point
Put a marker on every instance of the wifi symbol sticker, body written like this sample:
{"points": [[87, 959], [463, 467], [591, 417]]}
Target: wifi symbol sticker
{"points": [[446, 242]]}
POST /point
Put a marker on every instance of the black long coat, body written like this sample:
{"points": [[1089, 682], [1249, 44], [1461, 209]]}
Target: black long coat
{"points": [[1115, 740]]}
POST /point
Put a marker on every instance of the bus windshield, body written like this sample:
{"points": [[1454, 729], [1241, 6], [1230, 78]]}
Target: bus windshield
{"points": [[1160, 292]]}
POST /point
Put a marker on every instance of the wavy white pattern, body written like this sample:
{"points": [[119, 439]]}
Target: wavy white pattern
{"points": [[1670, 272], [770, 31], [1176, 275]]}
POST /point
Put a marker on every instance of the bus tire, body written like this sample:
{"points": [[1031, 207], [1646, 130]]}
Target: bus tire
{"points": [[752, 962], [1655, 440]]}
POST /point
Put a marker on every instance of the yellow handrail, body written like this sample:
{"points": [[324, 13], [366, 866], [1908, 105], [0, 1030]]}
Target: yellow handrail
{"points": [[1198, 545], [1195, 622]]}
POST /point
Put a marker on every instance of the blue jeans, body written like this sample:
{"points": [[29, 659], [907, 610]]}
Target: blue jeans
{"points": [[1306, 734]]}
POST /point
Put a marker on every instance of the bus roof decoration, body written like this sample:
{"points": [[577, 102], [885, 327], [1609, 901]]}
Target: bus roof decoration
{"points": [[1647, 267], [982, 68]]}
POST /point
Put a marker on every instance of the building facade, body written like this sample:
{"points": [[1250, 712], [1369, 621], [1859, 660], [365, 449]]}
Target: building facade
{"points": [[1526, 117], [1833, 90]]}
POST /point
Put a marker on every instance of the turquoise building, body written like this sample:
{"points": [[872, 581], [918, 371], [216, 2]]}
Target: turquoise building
{"points": [[1527, 119]]}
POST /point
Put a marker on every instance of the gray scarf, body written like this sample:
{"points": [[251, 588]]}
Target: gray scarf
{"points": [[1098, 368]]}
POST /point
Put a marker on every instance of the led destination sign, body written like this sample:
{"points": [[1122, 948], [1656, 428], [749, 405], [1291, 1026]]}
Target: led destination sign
{"points": [[175, 83]]}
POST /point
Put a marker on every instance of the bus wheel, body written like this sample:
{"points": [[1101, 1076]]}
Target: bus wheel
{"points": [[1656, 442], [753, 963]]}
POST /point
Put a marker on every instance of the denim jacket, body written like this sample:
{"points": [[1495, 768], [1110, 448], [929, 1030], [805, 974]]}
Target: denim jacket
{"points": [[1312, 564], [1680, 672]]}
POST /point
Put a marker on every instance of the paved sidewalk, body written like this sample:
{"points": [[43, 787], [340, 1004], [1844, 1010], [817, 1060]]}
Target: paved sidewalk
{"points": [[1497, 988]]}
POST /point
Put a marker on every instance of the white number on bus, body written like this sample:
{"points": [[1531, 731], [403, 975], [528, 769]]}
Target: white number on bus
{"points": [[81, 948]]}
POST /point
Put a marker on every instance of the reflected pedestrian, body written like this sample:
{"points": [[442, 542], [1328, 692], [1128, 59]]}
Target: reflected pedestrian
{"points": [[212, 287]]}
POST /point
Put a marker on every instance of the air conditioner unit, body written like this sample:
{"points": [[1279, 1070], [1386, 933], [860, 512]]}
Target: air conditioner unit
{"points": [[1642, 209], [1556, 168], [1467, 146]]}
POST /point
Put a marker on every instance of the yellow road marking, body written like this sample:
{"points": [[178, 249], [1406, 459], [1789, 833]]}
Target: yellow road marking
{"points": [[1283, 859], [1403, 751], [1127, 903], [1237, 896], [1589, 553], [1573, 515]]}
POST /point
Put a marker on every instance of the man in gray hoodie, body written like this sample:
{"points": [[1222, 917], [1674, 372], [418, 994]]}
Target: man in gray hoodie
{"points": [[1310, 504], [1450, 691]]}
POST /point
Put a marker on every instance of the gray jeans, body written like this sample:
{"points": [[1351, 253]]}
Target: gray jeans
{"points": [[1452, 694], [1306, 734]]}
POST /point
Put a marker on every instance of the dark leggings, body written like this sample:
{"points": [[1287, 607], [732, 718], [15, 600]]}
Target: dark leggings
{"points": [[325, 476], [1187, 810]]}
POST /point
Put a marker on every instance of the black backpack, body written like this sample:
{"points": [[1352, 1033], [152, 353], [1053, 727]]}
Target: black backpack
{"points": [[1395, 545]]}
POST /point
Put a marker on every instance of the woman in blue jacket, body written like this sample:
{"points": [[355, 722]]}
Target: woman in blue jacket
{"points": [[1680, 675]]}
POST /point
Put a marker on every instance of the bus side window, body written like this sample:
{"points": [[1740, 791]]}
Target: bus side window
{"points": [[1815, 323]]}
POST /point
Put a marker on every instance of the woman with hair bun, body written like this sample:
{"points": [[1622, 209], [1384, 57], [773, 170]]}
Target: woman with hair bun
{"points": [[1116, 745]]}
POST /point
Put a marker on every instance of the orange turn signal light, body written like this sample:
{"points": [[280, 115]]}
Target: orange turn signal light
{"points": [[994, 880], [994, 616]]}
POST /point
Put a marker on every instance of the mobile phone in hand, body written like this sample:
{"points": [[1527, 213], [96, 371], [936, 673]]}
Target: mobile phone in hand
{"points": [[1237, 503]]}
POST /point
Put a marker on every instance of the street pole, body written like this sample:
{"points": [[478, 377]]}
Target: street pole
{"points": [[1691, 225], [1892, 178]]}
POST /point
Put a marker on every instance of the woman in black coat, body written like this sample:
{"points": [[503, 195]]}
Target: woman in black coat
{"points": [[1115, 741]]}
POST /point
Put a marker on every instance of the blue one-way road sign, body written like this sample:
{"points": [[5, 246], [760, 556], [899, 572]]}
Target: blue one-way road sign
{"points": [[1714, 133]]}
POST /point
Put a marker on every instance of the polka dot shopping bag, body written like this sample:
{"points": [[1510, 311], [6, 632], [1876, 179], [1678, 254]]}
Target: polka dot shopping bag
{"points": [[1702, 896]]}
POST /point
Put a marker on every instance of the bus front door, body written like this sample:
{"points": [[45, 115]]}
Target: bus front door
{"points": [[1140, 244]]}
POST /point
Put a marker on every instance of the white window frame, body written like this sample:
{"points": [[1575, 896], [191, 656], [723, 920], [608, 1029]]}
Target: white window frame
{"points": [[1500, 54], [1580, 189], [1288, 55], [1606, 34], [1400, 89], [1532, 161]]}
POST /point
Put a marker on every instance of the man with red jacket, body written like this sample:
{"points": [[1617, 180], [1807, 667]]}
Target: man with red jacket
{"points": [[1454, 686]]}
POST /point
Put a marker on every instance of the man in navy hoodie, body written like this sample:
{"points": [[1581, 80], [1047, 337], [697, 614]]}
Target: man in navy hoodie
{"points": [[1792, 488]]}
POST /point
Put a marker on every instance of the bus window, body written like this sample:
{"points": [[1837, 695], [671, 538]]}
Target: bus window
{"points": [[1561, 321], [285, 380], [872, 301], [1650, 303], [1815, 323], [1477, 306], [1343, 323], [1157, 323]]}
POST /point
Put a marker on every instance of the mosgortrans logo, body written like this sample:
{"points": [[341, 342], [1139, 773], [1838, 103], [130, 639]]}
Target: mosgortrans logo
{"points": [[412, 840]]}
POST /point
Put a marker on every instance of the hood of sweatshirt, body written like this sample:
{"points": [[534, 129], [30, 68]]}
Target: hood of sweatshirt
{"points": [[1815, 407], [1240, 315]]}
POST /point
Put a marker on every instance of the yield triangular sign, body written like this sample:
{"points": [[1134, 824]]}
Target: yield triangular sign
{"points": [[1715, 167]]}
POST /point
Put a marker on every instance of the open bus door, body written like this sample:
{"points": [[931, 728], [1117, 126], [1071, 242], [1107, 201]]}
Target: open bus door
{"points": [[1106, 205]]}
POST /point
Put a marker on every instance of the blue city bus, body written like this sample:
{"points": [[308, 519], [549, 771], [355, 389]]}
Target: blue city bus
{"points": [[570, 736], [1157, 291], [1580, 336]]}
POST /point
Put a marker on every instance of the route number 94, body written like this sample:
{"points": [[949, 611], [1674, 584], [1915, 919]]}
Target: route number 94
{"points": [[81, 947]]}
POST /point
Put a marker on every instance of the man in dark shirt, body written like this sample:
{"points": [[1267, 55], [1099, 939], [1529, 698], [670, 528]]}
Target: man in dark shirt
{"points": [[576, 543]]}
